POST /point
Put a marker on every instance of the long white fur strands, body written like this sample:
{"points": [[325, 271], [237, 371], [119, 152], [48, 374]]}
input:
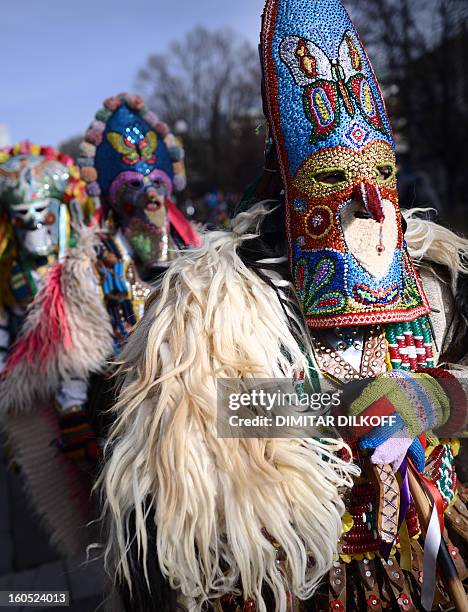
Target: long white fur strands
{"points": [[86, 319], [213, 498], [434, 243]]}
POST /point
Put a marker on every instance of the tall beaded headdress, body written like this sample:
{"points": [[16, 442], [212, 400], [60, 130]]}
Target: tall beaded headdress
{"points": [[336, 154]]}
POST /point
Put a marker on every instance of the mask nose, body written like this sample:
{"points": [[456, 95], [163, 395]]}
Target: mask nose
{"points": [[369, 196], [151, 194]]}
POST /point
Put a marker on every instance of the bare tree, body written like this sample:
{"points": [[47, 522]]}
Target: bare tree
{"points": [[421, 49], [211, 80], [71, 146]]}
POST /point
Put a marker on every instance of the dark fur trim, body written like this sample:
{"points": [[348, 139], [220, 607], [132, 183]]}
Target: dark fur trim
{"points": [[161, 598]]}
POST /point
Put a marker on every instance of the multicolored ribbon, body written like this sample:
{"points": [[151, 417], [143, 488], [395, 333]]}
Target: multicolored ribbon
{"points": [[432, 540], [405, 500]]}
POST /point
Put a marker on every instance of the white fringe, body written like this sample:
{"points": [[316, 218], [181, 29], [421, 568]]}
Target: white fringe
{"points": [[57, 488], [214, 318]]}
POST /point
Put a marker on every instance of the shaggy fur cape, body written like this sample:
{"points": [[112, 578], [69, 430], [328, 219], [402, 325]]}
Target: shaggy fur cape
{"points": [[213, 501], [199, 508], [66, 333]]}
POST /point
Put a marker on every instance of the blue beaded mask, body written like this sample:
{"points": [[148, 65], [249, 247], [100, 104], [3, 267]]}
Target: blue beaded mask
{"points": [[336, 154], [134, 163]]}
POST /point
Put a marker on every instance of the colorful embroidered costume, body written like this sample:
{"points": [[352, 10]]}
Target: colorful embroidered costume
{"points": [[96, 279], [314, 283]]}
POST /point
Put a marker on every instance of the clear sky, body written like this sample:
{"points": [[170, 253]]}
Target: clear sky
{"points": [[61, 58]]}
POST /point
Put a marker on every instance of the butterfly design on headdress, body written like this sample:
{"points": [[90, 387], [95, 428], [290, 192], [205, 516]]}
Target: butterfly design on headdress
{"points": [[134, 146], [326, 81]]}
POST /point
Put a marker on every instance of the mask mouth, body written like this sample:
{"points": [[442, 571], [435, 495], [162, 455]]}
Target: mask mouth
{"points": [[151, 206], [38, 242], [155, 209], [372, 243], [141, 207]]}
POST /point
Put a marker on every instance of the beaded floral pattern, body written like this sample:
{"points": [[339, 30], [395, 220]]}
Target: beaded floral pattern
{"points": [[336, 154]]}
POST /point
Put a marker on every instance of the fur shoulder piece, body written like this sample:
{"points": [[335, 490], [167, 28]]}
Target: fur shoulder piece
{"points": [[216, 504], [67, 331], [430, 242]]}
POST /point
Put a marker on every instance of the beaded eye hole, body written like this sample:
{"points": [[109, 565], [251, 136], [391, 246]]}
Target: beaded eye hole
{"points": [[385, 172], [135, 183], [332, 176]]}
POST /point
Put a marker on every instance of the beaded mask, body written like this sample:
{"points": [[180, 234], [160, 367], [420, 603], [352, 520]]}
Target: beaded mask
{"points": [[336, 154], [36, 184], [134, 163]]}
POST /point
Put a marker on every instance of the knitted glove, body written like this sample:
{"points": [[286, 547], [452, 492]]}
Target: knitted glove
{"points": [[417, 404], [453, 382]]}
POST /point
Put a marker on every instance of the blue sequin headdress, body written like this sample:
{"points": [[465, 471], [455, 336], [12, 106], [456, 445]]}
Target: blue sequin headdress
{"points": [[127, 136], [336, 154], [132, 165]]}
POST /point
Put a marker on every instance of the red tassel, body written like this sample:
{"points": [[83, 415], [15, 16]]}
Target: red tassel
{"points": [[182, 226]]}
